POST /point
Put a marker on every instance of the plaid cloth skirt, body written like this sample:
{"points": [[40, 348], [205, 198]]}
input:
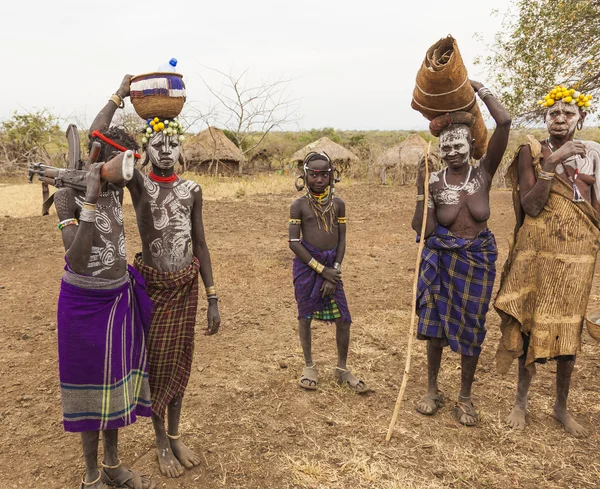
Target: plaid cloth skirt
{"points": [[455, 284], [174, 297]]}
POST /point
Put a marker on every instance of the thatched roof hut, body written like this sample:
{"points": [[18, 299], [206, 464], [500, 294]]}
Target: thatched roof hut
{"points": [[402, 160], [210, 151], [341, 157]]}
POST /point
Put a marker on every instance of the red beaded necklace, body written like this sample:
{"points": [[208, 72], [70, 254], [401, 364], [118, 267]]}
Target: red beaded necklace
{"points": [[158, 179]]}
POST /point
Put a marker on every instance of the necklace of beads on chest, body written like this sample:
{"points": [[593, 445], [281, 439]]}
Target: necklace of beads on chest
{"points": [[577, 197], [457, 188], [323, 208]]}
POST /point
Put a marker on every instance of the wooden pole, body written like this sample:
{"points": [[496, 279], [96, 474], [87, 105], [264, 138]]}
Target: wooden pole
{"points": [[411, 331]]}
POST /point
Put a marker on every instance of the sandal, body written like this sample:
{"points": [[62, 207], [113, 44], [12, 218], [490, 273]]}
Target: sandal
{"points": [[466, 408], [357, 385], [435, 402], [123, 478], [309, 378], [85, 484]]}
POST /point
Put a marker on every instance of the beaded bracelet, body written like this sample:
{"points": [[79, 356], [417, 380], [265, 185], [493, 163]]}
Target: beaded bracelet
{"points": [[295, 221], [67, 222], [316, 266], [342, 220], [294, 240], [420, 197]]}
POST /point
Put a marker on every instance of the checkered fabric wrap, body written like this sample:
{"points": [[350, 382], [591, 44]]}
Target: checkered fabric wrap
{"points": [[174, 297], [456, 278], [307, 288], [330, 312]]}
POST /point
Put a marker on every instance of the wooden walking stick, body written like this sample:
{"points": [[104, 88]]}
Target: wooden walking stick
{"points": [[414, 300]]}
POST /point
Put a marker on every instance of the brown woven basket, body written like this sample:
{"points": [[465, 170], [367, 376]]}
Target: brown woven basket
{"points": [[443, 86], [157, 105], [161, 106], [592, 327]]}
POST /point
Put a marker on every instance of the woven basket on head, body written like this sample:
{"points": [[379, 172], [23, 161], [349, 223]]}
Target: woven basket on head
{"points": [[592, 326], [443, 86], [158, 94]]}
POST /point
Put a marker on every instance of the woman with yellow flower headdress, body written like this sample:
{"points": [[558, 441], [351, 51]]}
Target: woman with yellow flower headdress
{"points": [[548, 275]]}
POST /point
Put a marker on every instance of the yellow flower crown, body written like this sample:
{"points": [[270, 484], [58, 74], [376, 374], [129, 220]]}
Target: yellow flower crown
{"points": [[566, 95]]}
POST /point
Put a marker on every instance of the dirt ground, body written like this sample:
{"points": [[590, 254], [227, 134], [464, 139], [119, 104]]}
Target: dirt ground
{"points": [[243, 410]]}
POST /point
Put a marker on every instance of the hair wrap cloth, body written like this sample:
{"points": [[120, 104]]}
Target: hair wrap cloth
{"points": [[98, 134], [437, 125]]}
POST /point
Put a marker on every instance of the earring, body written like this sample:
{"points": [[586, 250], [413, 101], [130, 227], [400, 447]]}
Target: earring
{"points": [[580, 125], [299, 183]]}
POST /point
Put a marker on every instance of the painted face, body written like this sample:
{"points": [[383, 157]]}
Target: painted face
{"points": [[455, 146], [163, 150], [562, 119], [318, 175]]}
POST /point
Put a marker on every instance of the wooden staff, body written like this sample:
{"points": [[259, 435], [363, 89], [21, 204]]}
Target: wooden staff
{"points": [[414, 300]]}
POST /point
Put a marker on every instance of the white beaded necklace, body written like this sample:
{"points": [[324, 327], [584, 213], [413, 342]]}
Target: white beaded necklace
{"points": [[457, 188]]}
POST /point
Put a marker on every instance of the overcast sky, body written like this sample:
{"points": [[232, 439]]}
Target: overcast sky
{"points": [[353, 63]]}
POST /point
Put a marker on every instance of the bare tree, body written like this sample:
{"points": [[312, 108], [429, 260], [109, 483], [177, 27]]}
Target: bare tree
{"points": [[250, 112]]}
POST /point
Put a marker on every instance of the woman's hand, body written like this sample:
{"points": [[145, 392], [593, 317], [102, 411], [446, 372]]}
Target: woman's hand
{"points": [[124, 89], [476, 85]]}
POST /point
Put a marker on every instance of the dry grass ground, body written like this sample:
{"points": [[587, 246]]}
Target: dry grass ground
{"points": [[243, 410]]}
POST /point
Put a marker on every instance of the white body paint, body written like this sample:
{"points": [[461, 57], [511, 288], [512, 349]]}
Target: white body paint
{"points": [[109, 214]]}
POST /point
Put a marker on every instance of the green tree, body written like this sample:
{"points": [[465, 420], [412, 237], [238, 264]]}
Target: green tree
{"points": [[544, 43], [28, 137]]}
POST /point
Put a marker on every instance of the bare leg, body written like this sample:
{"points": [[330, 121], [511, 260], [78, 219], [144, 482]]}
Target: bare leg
{"points": [[516, 418], [344, 376], [563, 382], [342, 339], [305, 340], [431, 402], [184, 454], [309, 378], [167, 462], [89, 442], [466, 414]]}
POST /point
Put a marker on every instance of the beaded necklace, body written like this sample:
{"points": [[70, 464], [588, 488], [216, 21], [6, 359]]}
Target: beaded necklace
{"points": [[322, 206], [457, 188], [577, 197]]}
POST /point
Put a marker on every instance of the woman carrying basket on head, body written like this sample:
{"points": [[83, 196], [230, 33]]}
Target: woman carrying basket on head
{"points": [[458, 262]]}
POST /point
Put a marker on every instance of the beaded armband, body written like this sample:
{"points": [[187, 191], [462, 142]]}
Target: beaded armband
{"points": [[296, 221], [67, 222], [342, 220]]}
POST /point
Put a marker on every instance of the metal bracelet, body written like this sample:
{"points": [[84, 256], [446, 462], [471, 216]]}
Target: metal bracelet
{"points": [[337, 266], [87, 215], [483, 92], [212, 297], [420, 197]]}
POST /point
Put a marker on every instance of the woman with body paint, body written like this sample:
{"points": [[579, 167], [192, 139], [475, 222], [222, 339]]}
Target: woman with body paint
{"points": [[458, 263]]}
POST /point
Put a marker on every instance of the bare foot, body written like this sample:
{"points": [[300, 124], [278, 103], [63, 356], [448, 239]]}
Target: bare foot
{"points": [[187, 457], [167, 462], [572, 426], [516, 418]]}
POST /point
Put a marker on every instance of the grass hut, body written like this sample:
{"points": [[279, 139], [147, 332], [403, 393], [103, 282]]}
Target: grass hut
{"points": [[211, 152], [341, 157], [401, 162]]}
